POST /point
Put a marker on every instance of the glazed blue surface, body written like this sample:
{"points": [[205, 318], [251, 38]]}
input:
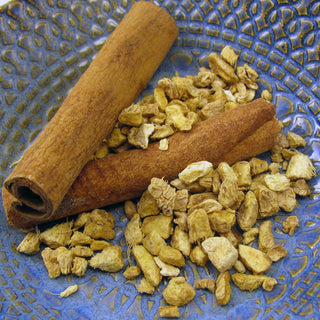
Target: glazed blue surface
{"points": [[46, 45]]}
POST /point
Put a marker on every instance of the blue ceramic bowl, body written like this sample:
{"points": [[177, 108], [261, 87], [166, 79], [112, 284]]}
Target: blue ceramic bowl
{"points": [[45, 46]]}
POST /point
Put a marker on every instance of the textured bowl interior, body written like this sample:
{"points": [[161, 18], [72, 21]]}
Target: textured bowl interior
{"points": [[45, 46]]}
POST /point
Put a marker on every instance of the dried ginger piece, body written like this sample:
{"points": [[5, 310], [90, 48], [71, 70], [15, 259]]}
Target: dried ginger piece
{"points": [[223, 288], [132, 272], [133, 232], [109, 259], [209, 284], [248, 212], [145, 287], [178, 292], [147, 205], [169, 312], [290, 225], [160, 223], [199, 256], [30, 244], [58, 235], [180, 241], [65, 259], [171, 256], [70, 290], [252, 282], [153, 242], [79, 266], [222, 254], [49, 257], [222, 221], [164, 194], [300, 167], [199, 226], [166, 270]]}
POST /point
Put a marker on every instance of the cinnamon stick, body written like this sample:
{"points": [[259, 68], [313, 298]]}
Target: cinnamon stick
{"points": [[114, 79], [232, 136]]}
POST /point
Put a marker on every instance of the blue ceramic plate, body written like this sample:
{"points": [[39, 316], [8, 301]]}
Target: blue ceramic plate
{"points": [[45, 45]]}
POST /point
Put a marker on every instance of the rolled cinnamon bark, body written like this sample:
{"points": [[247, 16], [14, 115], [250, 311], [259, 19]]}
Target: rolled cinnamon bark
{"points": [[232, 136], [114, 79]]}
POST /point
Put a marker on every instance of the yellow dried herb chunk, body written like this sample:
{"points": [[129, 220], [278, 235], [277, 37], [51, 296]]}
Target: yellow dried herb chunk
{"points": [[116, 138], [252, 282], [199, 226], [97, 245], [222, 254], [277, 182], [228, 193], [181, 200], [195, 171], [198, 256], [132, 272], [177, 118], [132, 115], [65, 259], [30, 244], [254, 259], [301, 188], [81, 251], [209, 205], [197, 198], [133, 232], [160, 98], [268, 201], [178, 292], [166, 270], [171, 256], [79, 266], [109, 259], [130, 209], [70, 290], [258, 166], [242, 170], [181, 219], [169, 312], [160, 223], [145, 287], [209, 284], [287, 199], [180, 241], [147, 205], [147, 265], [139, 136], [223, 288], [248, 212], [58, 235], [290, 225], [250, 235], [295, 140], [300, 167], [153, 242], [164, 194], [228, 54], [79, 238], [49, 257], [222, 221]]}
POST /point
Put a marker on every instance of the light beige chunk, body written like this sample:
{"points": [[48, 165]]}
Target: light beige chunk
{"points": [[250, 235], [49, 257], [222, 254], [64, 258], [228, 54], [116, 138], [222, 221], [166, 270], [164, 144], [252, 282], [233, 236], [171, 256], [199, 226], [266, 239], [58, 235], [160, 223], [248, 212], [145, 287], [181, 200], [70, 290], [209, 205], [79, 238], [30, 244], [223, 288], [164, 194], [79, 266], [197, 198], [295, 140], [178, 292], [160, 98], [109, 259], [97, 245], [132, 272], [287, 200], [81, 251], [130, 209], [153, 242], [195, 171], [268, 201], [300, 167], [254, 259], [290, 225], [209, 284], [226, 172], [169, 312], [147, 205], [198, 256], [222, 68], [177, 118], [180, 241], [301, 188], [131, 116], [147, 265], [133, 232], [81, 220], [277, 182], [228, 194], [243, 171], [180, 219], [258, 166], [139, 137], [239, 267]]}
